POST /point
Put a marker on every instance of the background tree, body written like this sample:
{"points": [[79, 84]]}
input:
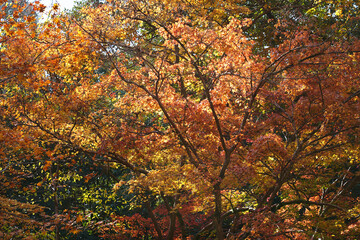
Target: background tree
{"points": [[221, 119]]}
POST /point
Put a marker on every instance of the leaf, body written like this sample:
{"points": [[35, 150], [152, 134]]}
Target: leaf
{"points": [[79, 218]]}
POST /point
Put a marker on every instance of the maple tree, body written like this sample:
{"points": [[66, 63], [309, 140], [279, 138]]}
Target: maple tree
{"points": [[209, 119]]}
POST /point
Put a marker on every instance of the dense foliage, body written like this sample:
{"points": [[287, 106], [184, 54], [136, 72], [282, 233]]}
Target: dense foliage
{"points": [[180, 119]]}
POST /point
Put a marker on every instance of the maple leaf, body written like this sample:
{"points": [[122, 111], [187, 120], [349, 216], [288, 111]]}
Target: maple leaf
{"points": [[221, 119]]}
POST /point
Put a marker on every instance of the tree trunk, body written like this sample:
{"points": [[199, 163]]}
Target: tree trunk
{"points": [[217, 216]]}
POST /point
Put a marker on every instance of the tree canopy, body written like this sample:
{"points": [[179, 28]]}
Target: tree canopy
{"points": [[180, 119]]}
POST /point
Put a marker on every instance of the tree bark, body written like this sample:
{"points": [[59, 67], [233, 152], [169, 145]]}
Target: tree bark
{"points": [[217, 216]]}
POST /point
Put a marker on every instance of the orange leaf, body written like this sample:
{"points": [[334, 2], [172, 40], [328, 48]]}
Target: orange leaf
{"points": [[79, 218]]}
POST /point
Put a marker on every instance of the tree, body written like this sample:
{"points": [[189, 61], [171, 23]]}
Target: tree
{"points": [[224, 133]]}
